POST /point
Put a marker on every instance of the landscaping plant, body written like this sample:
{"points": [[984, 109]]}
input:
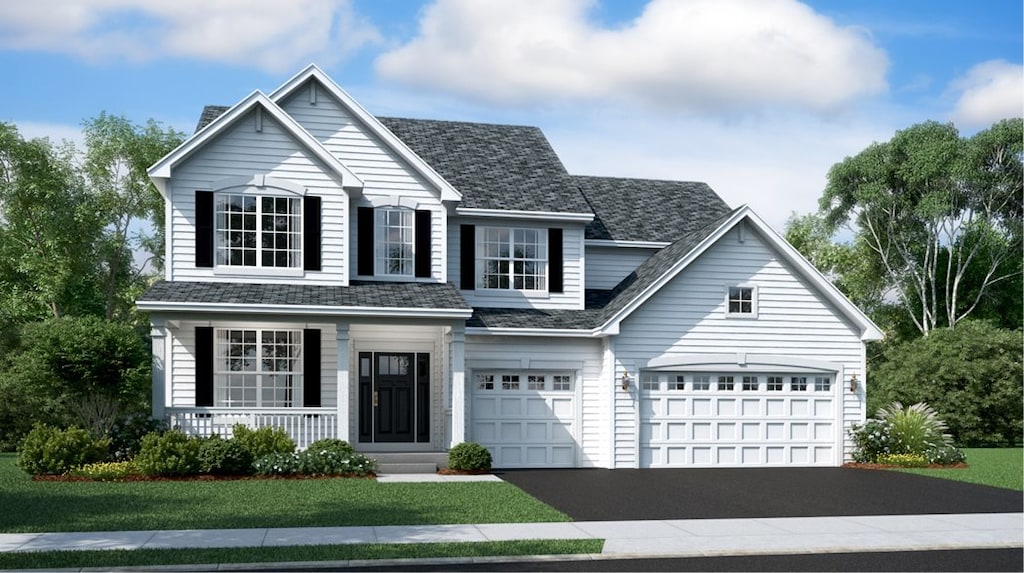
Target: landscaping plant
{"points": [[218, 456], [263, 441], [170, 453], [469, 456], [51, 451], [906, 436]]}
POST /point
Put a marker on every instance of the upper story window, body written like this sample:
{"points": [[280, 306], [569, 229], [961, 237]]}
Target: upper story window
{"points": [[258, 231], [394, 245], [512, 259], [741, 301]]}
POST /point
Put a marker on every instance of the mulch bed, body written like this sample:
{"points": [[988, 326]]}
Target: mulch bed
{"points": [[204, 477]]}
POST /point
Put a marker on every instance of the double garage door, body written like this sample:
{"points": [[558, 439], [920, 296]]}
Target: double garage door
{"points": [[738, 419], [525, 418]]}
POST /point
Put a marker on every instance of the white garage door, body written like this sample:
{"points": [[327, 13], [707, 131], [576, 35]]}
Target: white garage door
{"points": [[526, 419], [737, 419]]}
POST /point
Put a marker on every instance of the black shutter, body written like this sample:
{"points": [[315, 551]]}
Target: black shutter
{"points": [[422, 397], [422, 245], [311, 368], [204, 229], [365, 230], [204, 366], [311, 233], [365, 392], [555, 264], [467, 257]]}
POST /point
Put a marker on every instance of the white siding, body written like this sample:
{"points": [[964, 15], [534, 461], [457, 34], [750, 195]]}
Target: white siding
{"points": [[523, 353], [241, 151], [687, 317], [386, 178], [572, 268], [607, 266], [183, 347]]}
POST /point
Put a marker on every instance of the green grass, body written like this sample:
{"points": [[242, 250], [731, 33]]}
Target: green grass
{"points": [[150, 557], [35, 506], [997, 467]]}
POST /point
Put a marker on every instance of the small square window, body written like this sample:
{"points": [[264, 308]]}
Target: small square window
{"points": [[822, 383], [702, 382], [726, 383], [678, 384], [485, 381], [775, 383], [798, 383], [741, 300], [535, 382], [510, 382], [562, 382], [650, 382], [750, 383]]}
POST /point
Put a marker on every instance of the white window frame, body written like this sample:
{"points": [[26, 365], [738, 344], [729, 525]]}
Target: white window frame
{"points": [[394, 228], [498, 245], [730, 299], [519, 381], [224, 228], [253, 367]]}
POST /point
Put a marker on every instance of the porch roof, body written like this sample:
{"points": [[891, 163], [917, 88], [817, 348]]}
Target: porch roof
{"points": [[360, 297]]}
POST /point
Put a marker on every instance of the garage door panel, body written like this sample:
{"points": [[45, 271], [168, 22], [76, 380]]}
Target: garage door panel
{"points": [[682, 426]]}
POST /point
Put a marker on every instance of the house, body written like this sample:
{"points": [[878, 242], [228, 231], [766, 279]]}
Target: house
{"points": [[407, 285]]}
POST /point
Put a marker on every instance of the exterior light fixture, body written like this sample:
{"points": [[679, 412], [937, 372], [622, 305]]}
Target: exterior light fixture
{"points": [[625, 380], [853, 383]]}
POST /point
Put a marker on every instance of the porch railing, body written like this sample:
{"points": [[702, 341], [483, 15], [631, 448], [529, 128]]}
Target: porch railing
{"points": [[304, 425]]}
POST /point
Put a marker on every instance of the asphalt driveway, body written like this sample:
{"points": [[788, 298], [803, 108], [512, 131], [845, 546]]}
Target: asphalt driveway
{"points": [[626, 494]]}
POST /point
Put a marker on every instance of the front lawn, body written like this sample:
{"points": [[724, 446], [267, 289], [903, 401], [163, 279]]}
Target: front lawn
{"points": [[997, 467], [34, 506], [193, 556]]}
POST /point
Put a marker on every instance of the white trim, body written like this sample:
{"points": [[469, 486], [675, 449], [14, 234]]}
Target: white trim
{"points": [[869, 331], [260, 181], [752, 315], [324, 310], [741, 362], [312, 71], [554, 332], [160, 172], [533, 215], [627, 244]]}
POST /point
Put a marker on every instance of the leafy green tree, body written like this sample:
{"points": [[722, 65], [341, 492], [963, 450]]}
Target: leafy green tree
{"points": [[971, 375], [83, 371], [940, 214], [49, 227], [118, 154]]}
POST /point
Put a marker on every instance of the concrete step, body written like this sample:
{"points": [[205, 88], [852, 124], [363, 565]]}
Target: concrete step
{"points": [[407, 468]]}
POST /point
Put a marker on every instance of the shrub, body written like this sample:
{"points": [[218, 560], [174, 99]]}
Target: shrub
{"points": [[971, 374], [469, 456], [315, 462], [945, 455], [105, 471], [870, 440], [127, 433], [264, 441], [913, 429], [218, 456], [50, 451], [170, 453], [332, 445], [903, 460]]}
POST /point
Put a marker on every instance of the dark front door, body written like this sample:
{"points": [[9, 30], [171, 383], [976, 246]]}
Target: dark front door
{"points": [[393, 397]]}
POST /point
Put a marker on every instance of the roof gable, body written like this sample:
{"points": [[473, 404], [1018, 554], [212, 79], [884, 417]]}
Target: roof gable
{"points": [[648, 210], [161, 171], [372, 124]]}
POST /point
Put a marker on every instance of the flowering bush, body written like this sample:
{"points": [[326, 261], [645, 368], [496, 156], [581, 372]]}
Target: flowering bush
{"points": [[105, 471], [903, 460], [870, 440], [945, 455], [332, 444], [319, 462]]}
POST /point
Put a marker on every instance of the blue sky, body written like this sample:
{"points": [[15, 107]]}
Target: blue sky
{"points": [[756, 97]]}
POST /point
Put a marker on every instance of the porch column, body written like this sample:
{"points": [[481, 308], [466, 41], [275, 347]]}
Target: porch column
{"points": [[158, 334], [343, 383], [458, 384]]}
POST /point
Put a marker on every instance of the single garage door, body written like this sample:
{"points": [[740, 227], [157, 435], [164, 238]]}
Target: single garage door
{"points": [[738, 419], [525, 418]]}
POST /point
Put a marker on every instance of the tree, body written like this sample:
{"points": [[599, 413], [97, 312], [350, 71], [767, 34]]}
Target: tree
{"points": [[940, 214], [970, 375], [118, 154], [49, 225]]}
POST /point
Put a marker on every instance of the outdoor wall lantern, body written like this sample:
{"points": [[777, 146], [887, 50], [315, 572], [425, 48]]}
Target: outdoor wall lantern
{"points": [[625, 380], [853, 383]]}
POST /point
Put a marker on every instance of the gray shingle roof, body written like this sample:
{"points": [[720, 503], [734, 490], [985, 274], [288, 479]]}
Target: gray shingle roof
{"points": [[508, 167], [210, 113], [358, 294], [648, 209]]}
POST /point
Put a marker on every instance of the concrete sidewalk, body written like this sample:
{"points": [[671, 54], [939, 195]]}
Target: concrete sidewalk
{"points": [[669, 538]]}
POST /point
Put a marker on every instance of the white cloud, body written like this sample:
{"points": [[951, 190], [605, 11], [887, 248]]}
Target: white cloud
{"points": [[988, 92], [678, 54], [271, 35], [56, 132]]}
